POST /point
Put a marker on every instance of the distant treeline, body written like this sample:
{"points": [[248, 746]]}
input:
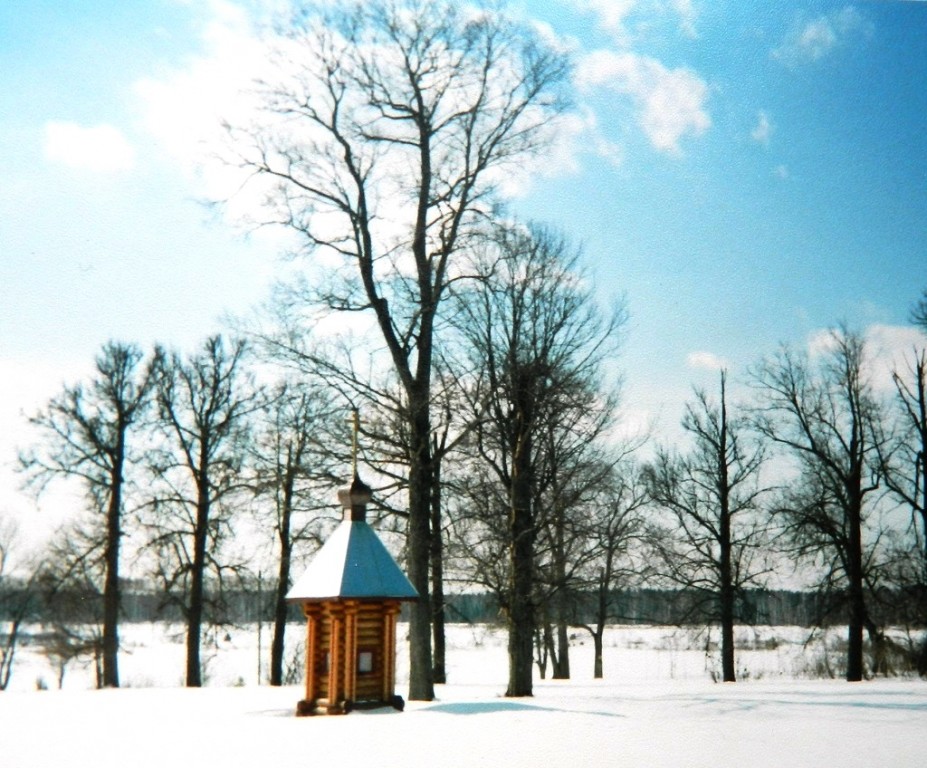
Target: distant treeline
{"points": [[632, 606], [685, 607]]}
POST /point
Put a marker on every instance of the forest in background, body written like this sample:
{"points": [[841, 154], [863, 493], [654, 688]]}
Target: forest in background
{"points": [[642, 606]]}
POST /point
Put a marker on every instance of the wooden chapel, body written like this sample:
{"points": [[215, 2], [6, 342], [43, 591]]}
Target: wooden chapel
{"points": [[351, 596]]}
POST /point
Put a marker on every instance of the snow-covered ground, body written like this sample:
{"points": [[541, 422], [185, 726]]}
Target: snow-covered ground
{"points": [[656, 707]]}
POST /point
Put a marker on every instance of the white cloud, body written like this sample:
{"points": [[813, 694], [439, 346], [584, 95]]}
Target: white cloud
{"points": [[100, 148], [706, 361], [26, 385], [610, 151], [889, 348], [570, 135], [612, 14], [687, 16], [670, 103], [812, 40], [183, 108], [781, 172], [822, 341], [186, 108], [592, 136], [618, 17], [634, 425], [815, 40], [763, 129]]}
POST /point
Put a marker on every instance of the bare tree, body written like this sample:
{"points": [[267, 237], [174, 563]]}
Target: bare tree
{"points": [[389, 128], [712, 495], [906, 471], [86, 431], [823, 413], [536, 343], [904, 468], [572, 471], [616, 530], [73, 600], [386, 448], [919, 312], [385, 444], [18, 603], [449, 429], [292, 468], [203, 404]]}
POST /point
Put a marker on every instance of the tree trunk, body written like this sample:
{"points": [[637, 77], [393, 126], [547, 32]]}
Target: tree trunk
{"points": [[521, 532], [597, 638], [520, 650], [605, 580], [521, 539], [918, 409], [726, 573], [879, 643], [921, 658], [439, 665], [98, 663], [726, 599], [111, 587], [550, 647], [277, 643], [8, 652], [421, 684], [542, 649], [856, 598], [728, 674], [521, 611], [194, 676], [854, 642], [562, 658]]}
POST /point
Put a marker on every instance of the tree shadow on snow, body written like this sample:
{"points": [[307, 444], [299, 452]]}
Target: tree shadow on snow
{"points": [[492, 707], [801, 699]]}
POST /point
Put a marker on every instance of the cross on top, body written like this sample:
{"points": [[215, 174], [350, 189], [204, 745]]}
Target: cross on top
{"points": [[355, 424]]}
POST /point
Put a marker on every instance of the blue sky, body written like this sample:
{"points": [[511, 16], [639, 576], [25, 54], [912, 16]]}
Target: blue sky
{"points": [[744, 174]]}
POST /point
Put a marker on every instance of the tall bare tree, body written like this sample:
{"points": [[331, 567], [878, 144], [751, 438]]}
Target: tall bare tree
{"points": [[293, 470], [712, 495], [616, 530], [536, 343], [383, 430], [823, 413], [573, 467], [85, 432], [904, 467], [203, 405], [905, 471], [388, 130]]}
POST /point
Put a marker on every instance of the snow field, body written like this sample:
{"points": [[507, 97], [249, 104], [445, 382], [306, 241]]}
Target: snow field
{"points": [[153, 655], [657, 707]]}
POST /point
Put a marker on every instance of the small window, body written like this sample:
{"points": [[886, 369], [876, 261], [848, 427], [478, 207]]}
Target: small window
{"points": [[364, 662]]}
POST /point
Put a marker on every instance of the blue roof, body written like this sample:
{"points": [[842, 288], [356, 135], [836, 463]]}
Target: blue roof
{"points": [[353, 563]]}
